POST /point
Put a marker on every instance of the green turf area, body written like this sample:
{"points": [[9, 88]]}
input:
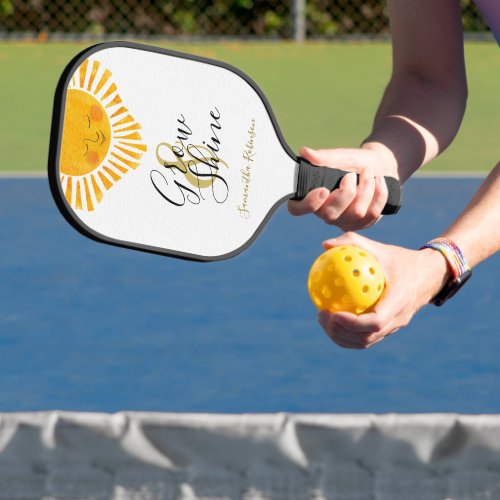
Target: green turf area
{"points": [[323, 94]]}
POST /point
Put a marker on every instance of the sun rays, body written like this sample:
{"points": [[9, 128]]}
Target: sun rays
{"points": [[101, 141]]}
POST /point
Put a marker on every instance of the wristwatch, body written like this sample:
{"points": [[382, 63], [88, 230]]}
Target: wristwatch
{"points": [[460, 270]]}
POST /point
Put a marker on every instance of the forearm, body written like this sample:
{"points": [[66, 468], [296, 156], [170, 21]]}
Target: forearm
{"points": [[416, 120], [424, 103], [477, 230]]}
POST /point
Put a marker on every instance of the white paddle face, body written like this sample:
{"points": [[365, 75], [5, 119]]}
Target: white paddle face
{"points": [[164, 152]]}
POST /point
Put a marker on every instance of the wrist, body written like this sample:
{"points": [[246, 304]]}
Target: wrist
{"points": [[386, 157], [437, 272]]}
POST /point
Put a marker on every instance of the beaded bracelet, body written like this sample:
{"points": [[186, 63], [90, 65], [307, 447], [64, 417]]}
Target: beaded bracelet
{"points": [[452, 254], [460, 269]]}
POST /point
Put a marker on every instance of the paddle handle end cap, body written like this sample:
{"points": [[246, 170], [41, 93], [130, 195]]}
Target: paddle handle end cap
{"points": [[312, 177]]}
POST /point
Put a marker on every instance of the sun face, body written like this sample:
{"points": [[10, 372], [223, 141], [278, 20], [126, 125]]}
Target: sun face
{"points": [[87, 133], [100, 139]]}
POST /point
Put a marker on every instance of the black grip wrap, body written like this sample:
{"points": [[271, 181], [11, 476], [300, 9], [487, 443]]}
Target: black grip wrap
{"points": [[312, 177]]}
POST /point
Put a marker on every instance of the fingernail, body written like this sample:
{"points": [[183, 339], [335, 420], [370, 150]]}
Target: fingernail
{"points": [[324, 194], [323, 316]]}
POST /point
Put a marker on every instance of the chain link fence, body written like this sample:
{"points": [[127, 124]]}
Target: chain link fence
{"points": [[282, 19]]}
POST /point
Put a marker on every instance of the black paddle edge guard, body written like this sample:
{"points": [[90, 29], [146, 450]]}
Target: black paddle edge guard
{"points": [[312, 177]]}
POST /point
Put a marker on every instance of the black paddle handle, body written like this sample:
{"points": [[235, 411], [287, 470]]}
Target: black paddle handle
{"points": [[312, 177]]}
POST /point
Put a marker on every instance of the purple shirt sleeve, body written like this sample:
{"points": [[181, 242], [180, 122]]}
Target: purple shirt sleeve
{"points": [[490, 9]]}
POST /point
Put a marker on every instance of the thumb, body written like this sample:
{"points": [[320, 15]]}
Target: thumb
{"points": [[310, 155], [349, 238], [377, 249], [339, 157]]}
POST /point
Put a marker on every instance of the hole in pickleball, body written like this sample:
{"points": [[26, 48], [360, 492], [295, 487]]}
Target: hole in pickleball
{"points": [[327, 293], [330, 268], [366, 289], [363, 254], [379, 287], [356, 273], [337, 306], [317, 276], [339, 281], [372, 270], [360, 309], [348, 258], [346, 299]]}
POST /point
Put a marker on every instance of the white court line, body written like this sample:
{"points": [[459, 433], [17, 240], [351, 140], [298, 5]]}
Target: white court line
{"points": [[23, 175], [454, 174]]}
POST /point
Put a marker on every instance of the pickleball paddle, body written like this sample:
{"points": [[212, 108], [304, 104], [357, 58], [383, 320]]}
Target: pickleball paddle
{"points": [[171, 153]]}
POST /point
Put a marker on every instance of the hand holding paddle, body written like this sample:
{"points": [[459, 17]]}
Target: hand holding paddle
{"points": [[360, 199]]}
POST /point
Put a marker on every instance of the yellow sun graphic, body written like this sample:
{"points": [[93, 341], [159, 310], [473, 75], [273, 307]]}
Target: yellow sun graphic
{"points": [[100, 139]]}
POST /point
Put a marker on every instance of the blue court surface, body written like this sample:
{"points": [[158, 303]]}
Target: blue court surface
{"points": [[90, 327]]}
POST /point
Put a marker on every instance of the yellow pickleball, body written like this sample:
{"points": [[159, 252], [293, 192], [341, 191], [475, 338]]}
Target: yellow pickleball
{"points": [[346, 278]]}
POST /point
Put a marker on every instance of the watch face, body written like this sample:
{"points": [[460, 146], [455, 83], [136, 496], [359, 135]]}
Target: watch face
{"points": [[451, 288]]}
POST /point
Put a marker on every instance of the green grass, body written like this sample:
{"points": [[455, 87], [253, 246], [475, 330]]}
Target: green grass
{"points": [[323, 94]]}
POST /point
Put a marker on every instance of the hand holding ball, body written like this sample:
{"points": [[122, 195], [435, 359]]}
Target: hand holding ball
{"points": [[346, 278]]}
